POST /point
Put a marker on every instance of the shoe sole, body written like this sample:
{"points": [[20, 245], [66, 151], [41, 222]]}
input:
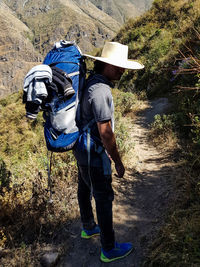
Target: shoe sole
{"points": [[105, 259], [89, 236]]}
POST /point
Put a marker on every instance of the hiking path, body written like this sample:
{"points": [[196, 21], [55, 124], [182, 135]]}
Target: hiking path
{"points": [[141, 198]]}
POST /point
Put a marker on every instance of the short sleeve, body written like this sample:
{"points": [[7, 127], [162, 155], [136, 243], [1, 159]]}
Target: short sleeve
{"points": [[101, 102]]}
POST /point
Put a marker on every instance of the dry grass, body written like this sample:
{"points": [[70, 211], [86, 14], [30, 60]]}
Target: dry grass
{"points": [[27, 218], [168, 140]]}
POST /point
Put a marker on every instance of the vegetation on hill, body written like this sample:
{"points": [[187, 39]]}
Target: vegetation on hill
{"points": [[157, 38], [30, 28], [52, 21], [119, 10], [16, 51], [88, 22]]}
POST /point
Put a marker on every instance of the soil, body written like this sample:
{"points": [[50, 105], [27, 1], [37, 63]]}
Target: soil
{"points": [[141, 198]]}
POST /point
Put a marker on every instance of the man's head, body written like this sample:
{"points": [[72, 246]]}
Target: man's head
{"points": [[111, 72]]}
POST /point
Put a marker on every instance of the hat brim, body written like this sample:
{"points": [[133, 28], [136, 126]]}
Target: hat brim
{"points": [[127, 64]]}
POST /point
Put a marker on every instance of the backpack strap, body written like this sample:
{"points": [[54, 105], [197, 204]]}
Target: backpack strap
{"points": [[105, 160], [99, 149], [87, 129], [58, 62]]}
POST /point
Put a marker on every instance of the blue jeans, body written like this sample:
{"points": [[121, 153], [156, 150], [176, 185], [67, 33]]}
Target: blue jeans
{"points": [[103, 195]]}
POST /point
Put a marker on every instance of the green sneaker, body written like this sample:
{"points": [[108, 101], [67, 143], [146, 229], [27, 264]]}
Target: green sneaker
{"points": [[118, 252], [90, 233]]}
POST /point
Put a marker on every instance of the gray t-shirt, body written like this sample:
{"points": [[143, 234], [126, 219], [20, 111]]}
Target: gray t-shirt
{"points": [[97, 104]]}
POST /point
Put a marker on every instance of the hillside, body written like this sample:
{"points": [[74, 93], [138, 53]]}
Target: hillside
{"points": [[51, 21], [120, 10], [157, 39], [33, 27], [16, 51], [142, 5], [123, 10], [88, 22]]}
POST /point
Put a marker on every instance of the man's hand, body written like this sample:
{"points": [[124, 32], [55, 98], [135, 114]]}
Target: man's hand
{"points": [[109, 142], [120, 170]]}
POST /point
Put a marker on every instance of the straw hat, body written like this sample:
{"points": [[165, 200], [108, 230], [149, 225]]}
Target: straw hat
{"points": [[117, 54]]}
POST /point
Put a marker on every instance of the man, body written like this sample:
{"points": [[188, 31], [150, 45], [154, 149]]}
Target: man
{"points": [[94, 164]]}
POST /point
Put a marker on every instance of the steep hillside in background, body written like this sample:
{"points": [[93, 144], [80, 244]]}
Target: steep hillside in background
{"points": [[123, 10], [46, 22], [88, 22], [16, 51], [142, 5], [120, 10], [65, 19], [157, 38]]}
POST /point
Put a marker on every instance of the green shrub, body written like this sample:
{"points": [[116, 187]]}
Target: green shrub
{"points": [[195, 129], [163, 132], [163, 123], [124, 102], [122, 135]]}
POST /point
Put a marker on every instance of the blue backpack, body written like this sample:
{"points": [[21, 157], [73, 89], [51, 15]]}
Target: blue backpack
{"points": [[61, 127]]}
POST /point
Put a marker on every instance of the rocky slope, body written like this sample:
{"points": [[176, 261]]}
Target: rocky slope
{"points": [[65, 19], [123, 10], [119, 10], [89, 22], [30, 28], [16, 51]]}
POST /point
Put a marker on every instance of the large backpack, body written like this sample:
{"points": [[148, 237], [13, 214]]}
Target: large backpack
{"points": [[61, 127], [56, 88]]}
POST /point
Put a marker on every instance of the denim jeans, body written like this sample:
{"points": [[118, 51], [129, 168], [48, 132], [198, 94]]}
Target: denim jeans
{"points": [[103, 195]]}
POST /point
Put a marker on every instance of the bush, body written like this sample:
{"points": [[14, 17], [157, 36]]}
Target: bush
{"points": [[122, 135], [163, 131], [124, 102], [163, 123]]}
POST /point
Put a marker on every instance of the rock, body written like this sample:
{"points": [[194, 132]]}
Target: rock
{"points": [[49, 259]]}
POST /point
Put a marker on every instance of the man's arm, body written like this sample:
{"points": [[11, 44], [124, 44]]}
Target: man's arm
{"points": [[109, 142]]}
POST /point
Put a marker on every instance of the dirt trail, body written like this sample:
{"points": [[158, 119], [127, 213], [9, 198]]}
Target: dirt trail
{"points": [[141, 199]]}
